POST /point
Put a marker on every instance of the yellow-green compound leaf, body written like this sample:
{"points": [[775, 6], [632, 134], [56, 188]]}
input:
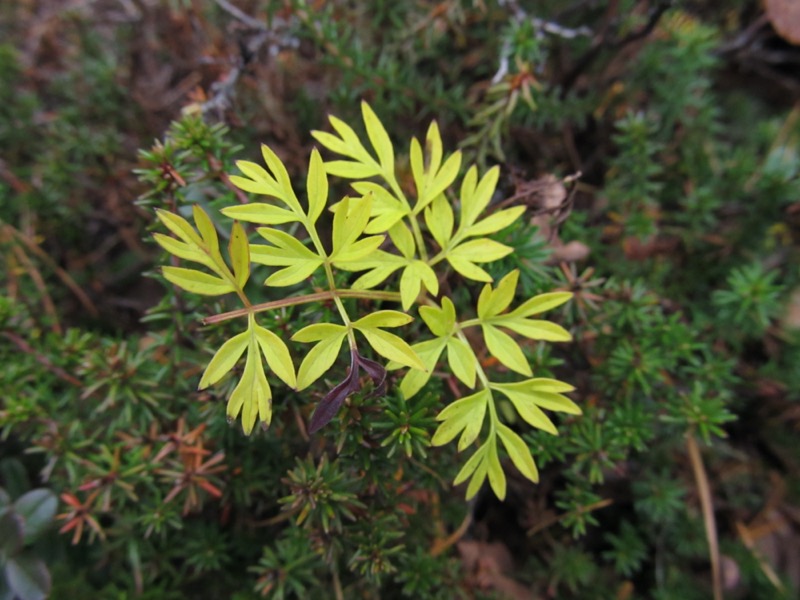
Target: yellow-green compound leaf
{"points": [[281, 178], [380, 266], [224, 359], [317, 186], [467, 268], [287, 251], [519, 452], [496, 222], [183, 250], [542, 392], [322, 356], [349, 221], [481, 250], [475, 195], [239, 250], [351, 170], [540, 303], [493, 302], [525, 404], [379, 138], [462, 361], [461, 414], [358, 251], [438, 182], [392, 347], [277, 355], [503, 347], [197, 282], [440, 321], [256, 180], [260, 213], [208, 232], [415, 379], [536, 329], [386, 209], [497, 479], [252, 396], [180, 227], [471, 465], [383, 318], [478, 477], [414, 275], [439, 218], [403, 239]]}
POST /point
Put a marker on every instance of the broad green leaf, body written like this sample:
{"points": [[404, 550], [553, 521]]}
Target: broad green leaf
{"points": [[37, 508], [392, 347], [355, 148], [471, 465], [197, 281], [433, 147], [224, 359], [403, 239], [503, 347], [183, 250], [351, 170], [260, 213], [480, 250], [536, 329], [415, 379], [239, 249], [497, 479], [556, 402], [496, 222], [417, 163], [439, 218], [277, 355], [540, 303], [496, 301], [462, 361], [519, 452], [383, 318], [27, 576], [319, 359], [478, 477], [319, 331], [316, 186], [468, 269], [180, 227], [252, 396], [379, 138], [473, 427]]}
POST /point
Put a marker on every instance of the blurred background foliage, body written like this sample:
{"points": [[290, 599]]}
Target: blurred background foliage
{"points": [[656, 146]]}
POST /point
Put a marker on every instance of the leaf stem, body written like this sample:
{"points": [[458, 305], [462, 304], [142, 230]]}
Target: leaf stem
{"points": [[305, 299]]}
